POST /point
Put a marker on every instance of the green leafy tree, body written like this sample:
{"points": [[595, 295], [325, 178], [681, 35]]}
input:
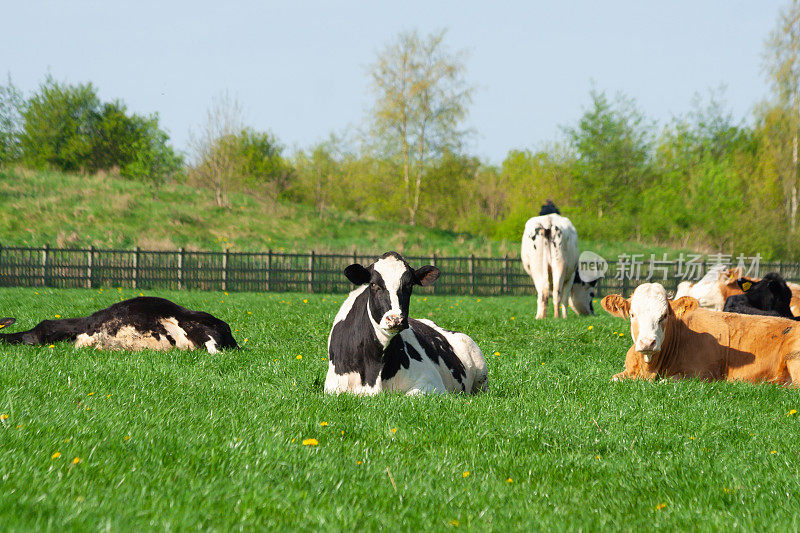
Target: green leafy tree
{"points": [[612, 144], [154, 161], [59, 122], [421, 101]]}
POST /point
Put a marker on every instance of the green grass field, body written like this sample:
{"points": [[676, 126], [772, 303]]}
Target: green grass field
{"points": [[173, 441]]}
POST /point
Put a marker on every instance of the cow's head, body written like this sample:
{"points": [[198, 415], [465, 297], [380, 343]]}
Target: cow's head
{"points": [[580, 299], [649, 311], [391, 281], [769, 294]]}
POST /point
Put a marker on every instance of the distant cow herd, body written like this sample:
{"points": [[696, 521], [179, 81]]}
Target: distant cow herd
{"points": [[724, 327]]}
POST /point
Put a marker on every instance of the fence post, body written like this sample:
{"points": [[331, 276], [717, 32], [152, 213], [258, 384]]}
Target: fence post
{"points": [[269, 270], [471, 267], [504, 290], [433, 262], [89, 268], [180, 268], [225, 270], [311, 272], [44, 265], [136, 267]]}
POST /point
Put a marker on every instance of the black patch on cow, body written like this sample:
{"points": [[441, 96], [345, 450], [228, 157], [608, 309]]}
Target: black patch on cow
{"points": [[354, 346], [436, 346], [549, 208], [398, 354], [144, 314], [768, 297]]}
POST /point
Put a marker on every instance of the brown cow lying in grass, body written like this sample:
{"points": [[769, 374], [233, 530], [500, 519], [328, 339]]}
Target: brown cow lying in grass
{"points": [[678, 339]]}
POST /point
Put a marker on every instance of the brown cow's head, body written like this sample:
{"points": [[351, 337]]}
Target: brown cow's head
{"points": [[648, 308]]}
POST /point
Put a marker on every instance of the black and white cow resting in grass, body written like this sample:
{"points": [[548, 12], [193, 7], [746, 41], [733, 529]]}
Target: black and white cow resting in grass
{"points": [[374, 346], [136, 324]]}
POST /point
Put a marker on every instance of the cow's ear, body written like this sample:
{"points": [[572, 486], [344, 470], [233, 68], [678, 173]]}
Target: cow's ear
{"points": [[426, 275], [357, 274], [744, 284], [683, 305], [6, 322], [616, 305]]}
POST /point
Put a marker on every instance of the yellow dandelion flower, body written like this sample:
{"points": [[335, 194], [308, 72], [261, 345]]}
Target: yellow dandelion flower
{"points": [[76, 460], [55, 455], [91, 394], [310, 442], [394, 430], [305, 300], [454, 523], [509, 480], [245, 340], [108, 396], [57, 316], [323, 423], [299, 357], [342, 432], [792, 412], [621, 334], [127, 437], [425, 299], [249, 312], [497, 353], [226, 293], [359, 462], [3, 416], [773, 452], [726, 490], [513, 318], [141, 294], [660, 506], [465, 474], [597, 457], [591, 328], [614, 333], [52, 346]]}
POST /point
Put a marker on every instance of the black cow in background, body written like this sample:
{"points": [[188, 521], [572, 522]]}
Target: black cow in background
{"points": [[769, 297], [136, 324], [549, 208]]}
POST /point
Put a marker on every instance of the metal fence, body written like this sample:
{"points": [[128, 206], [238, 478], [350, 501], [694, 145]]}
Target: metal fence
{"points": [[281, 272]]}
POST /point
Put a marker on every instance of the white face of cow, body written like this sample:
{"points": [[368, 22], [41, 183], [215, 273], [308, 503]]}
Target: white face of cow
{"points": [[580, 299], [391, 281], [649, 311]]}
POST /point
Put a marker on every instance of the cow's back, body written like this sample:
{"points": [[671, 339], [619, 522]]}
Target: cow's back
{"points": [[740, 347]]}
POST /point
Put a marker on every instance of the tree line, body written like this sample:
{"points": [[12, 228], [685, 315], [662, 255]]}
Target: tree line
{"points": [[702, 180]]}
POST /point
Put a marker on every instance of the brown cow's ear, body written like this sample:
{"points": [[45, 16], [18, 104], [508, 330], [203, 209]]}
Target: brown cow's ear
{"points": [[683, 305], [616, 305]]}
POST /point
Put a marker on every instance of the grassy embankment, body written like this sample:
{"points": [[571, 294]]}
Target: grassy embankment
{"points": [[52, 208]]}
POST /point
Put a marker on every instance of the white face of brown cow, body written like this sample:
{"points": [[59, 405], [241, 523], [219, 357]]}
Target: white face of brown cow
{"points": [[649, 311]]}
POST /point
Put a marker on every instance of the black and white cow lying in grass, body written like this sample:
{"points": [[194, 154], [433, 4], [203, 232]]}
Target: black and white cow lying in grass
{"points": [[136, 324], [374, 346]]}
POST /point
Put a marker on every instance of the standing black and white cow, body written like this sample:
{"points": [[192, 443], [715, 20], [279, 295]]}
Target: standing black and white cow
{"points": [[374, 346], [136, 324]]}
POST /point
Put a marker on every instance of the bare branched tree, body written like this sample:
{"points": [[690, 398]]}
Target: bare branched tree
{"points": [[782, 63], [215, 161], [422, 98]]}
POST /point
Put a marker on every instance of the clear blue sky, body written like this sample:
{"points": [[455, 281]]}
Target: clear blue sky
{"points": [[299, 68]]}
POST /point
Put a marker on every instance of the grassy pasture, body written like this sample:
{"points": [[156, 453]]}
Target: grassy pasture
{"points": [[187, 440]]}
